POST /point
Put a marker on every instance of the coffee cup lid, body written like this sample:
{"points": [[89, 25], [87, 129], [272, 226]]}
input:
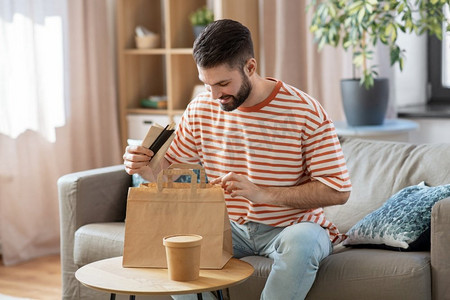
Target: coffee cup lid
{"points": [[182, 240]]}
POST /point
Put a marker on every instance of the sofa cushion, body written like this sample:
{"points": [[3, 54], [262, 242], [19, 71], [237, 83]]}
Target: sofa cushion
{"points": [[98, 241], [376, 274], [378, 169], [400, 222]]}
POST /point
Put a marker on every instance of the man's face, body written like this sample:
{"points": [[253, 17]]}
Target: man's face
{"points": [[231, 87]]}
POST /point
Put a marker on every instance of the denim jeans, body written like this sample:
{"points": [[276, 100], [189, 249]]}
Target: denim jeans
{"points": [[297, 251]]}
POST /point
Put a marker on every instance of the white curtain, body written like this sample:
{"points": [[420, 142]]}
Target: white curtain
{"points": [[32, 66], [290, 54], [58, 113]]}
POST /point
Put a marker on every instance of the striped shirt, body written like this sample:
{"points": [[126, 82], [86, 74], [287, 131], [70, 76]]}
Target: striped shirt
{"points": [[285, 140]]}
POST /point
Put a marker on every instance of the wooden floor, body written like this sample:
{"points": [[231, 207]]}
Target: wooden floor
{"points": [[36, 279]]}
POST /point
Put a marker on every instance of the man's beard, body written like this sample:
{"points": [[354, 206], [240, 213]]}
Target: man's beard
{"points": [[242, 95]]}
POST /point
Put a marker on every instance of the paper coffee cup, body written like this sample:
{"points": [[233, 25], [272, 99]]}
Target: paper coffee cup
{"points": [[183, 256]]}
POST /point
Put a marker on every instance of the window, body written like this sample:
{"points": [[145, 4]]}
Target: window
{"points": [[32, 77], [439, 66]]}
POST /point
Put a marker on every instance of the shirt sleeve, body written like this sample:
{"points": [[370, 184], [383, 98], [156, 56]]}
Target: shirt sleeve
{"points": [[183, 148], [326, 162]]}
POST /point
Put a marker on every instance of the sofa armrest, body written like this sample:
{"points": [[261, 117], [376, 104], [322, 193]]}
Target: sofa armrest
{"points": [[440, 249], [92, 196]]}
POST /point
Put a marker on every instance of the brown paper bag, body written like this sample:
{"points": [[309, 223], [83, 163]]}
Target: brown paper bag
{"points": [[155, 210]]}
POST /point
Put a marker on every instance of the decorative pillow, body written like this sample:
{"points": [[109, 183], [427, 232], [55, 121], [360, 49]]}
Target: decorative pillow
{"points": [[402, 223]]}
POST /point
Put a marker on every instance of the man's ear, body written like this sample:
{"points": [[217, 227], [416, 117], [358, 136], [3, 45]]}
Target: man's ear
{"points": [[250, 67]]}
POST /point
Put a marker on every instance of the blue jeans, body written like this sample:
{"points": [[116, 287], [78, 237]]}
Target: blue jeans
{"points": [[297, 251]]}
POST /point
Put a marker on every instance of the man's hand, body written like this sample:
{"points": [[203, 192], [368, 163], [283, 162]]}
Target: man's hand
{"points": [[136, 159], [238, 185], [309, 195]]}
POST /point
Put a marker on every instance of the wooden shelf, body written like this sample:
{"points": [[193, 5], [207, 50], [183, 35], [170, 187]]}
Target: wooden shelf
{"points": [[178, 112], [145, 51], [156, 51], [181, 51], [169, 69], [147, 111]]}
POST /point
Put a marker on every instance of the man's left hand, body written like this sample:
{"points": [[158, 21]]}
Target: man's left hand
{"points": [[238, 185]]}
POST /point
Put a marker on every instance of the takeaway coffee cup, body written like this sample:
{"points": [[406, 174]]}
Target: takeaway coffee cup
{"points": [[183, 256]]}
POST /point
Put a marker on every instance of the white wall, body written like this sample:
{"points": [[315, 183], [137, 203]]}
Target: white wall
{"points": [[407, 87], [410, 88], [410, 85]]}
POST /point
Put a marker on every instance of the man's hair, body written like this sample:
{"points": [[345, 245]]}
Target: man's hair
{"points": [[223, 42]]}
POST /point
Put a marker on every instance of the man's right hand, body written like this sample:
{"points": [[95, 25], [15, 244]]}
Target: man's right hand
{"points": [[136, 160]]}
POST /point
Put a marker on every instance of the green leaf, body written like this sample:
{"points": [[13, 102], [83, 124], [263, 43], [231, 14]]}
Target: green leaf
{"points": [[347, 44], [389, 29], [369, 8], [361, 14], [354, 7], [322, 43], [367, 80], [394, 36], [395, 54], [358, 60], [332, 11], [409, 24]]}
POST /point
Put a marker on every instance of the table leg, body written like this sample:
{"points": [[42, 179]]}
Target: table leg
{"points": [[219, 294], [113, 296], [199, 296], [132, 297]]}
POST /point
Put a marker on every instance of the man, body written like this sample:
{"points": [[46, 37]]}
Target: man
{"points": [[273, 149]]}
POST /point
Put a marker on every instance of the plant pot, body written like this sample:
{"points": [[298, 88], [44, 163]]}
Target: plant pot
{"points": [[365, 107], [197, 29]]}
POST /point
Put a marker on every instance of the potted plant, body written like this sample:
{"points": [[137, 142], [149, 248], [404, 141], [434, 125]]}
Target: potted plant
{"points": [[360, 25], [200, 19]]}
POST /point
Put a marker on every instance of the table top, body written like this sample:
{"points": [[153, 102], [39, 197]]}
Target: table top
{"points": [[390, 126], [108, 275]]}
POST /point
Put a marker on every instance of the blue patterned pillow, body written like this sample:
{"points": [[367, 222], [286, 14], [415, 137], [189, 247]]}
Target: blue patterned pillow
{"points": [[401, 222]]}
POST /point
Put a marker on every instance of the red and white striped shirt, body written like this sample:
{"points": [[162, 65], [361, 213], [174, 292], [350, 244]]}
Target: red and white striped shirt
{"points": [[286, 140]]}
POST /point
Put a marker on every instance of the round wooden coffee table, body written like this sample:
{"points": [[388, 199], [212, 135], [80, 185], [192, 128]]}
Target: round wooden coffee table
{"points": [[108, 275]]}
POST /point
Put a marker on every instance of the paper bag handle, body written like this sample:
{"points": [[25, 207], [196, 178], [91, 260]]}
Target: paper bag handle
{"points": [[192, 167], [170, 172], [182, 169]]}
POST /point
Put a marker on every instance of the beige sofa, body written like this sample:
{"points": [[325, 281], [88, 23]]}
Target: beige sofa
{"points": [[92, 207]]}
